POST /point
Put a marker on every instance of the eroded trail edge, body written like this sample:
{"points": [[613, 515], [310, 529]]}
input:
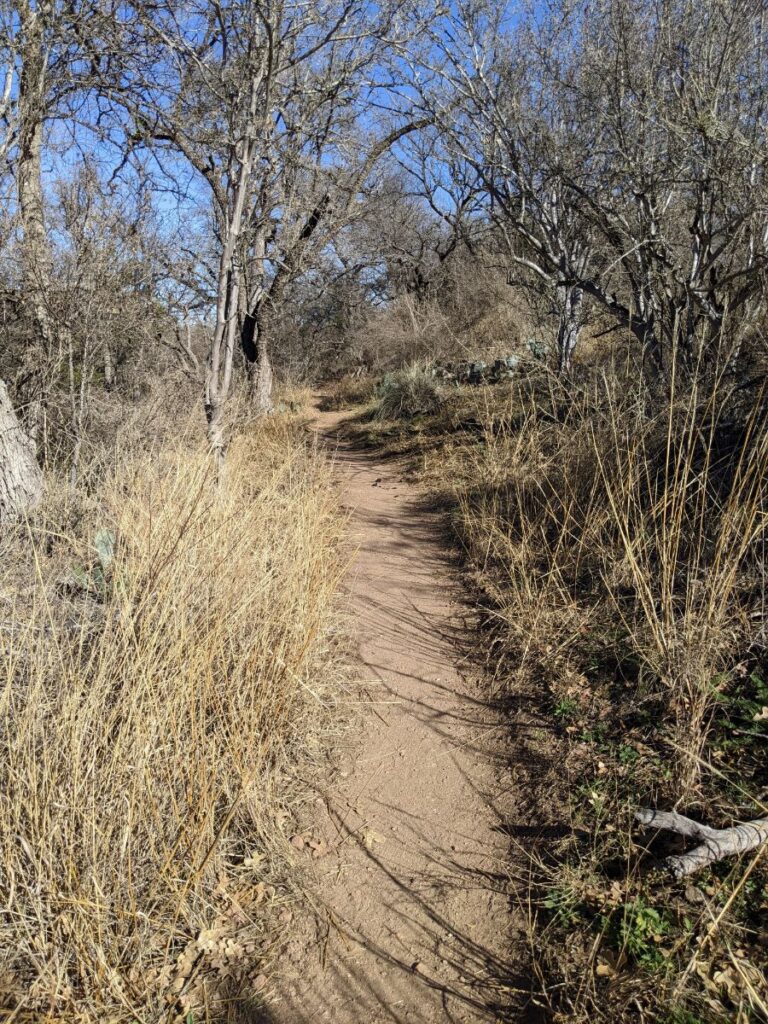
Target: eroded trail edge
{"points": [[413, 922]]}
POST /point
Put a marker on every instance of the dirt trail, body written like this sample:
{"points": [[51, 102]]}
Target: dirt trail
{"points": [[410, 896]]}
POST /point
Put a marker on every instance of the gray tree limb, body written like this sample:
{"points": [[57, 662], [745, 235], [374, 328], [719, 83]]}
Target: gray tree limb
{"points": [[716, 843]]}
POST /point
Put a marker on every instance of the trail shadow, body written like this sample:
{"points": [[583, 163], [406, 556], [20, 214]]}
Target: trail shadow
{"points": [[489, 987], [372, 976]]}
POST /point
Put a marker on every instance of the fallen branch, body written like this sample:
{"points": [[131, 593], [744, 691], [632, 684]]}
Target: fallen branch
{"points": [[717, 843]]}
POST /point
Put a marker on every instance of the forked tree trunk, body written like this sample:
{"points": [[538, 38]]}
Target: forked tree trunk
{"points": [[21, 479]]}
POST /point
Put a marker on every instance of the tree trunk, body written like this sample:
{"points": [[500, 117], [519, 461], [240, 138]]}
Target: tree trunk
{"points": [[572, 300], [21, 480], [214, 412], [261, 383], [255, 343], [109, 368], [35, 252]]}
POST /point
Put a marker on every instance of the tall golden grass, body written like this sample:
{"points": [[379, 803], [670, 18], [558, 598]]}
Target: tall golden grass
{"points": [[152, 721], [612, 526], [589, 504]]}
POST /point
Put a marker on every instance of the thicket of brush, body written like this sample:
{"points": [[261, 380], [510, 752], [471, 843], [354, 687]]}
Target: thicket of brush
{"points": [[618, 540], [347, 391], [407, 393], [168, 656]]}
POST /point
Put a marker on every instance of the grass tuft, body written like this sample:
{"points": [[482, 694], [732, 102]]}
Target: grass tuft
{"points": [[408, 393]]}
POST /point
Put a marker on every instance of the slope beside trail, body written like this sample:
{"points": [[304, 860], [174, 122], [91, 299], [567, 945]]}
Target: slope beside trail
{"points": [[411, 922]]}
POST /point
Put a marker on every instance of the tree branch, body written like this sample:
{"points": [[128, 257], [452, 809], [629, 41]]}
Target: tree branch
{"points": [[717, 843]]}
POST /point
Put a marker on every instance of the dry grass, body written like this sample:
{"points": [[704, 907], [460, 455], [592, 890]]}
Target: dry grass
{"points": [[407, 393], [595, 502], [153, 718], [618, 541], [292, 397], [348, 391]]}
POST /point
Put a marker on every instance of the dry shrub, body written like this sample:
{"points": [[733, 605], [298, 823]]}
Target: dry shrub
{"points": [[469, 312], [407, 393], [293, 397], [153, 716], [348, 391]]}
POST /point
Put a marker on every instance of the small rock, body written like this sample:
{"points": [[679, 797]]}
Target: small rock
{"points": [[297, 842], [319, 847], [694, 895]]}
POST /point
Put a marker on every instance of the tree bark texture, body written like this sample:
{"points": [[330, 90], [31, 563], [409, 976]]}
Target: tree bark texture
{"points": [[717, 843], [35, 251], [570, 326], [254, 339], [21, 479]]}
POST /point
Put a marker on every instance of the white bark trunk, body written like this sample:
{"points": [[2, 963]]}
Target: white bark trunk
{"points": [[569, 330], [21, 479], [717, 844]]}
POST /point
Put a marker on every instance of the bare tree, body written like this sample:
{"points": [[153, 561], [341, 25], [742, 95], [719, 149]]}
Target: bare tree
{"points": [[43, 41], [21, 117], [301, 234], [106, 291], [621, 157], [672, 183], [424, 214], [262, 100], [33, 97]]}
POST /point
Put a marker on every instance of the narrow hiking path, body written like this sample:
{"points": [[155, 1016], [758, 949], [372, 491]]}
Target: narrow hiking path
{"points": [[414, 922]]}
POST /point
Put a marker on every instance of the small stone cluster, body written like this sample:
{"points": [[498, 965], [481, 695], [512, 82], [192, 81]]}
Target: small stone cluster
{"points": [[476, 373]]}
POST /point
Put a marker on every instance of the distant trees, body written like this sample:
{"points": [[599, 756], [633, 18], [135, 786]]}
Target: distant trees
{"points": [[621, 146], [47, 80], [610, 154]]}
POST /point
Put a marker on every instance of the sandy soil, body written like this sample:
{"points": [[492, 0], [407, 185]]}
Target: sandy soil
{"points": [[412, 922]]}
